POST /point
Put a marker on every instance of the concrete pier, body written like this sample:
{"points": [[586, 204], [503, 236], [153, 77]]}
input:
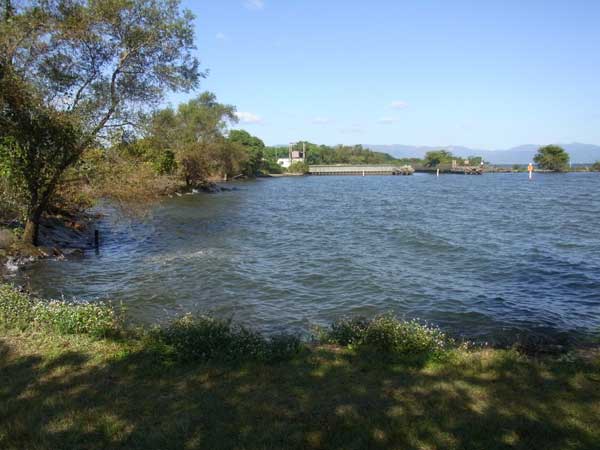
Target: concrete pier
{"points": [[360, 169]]}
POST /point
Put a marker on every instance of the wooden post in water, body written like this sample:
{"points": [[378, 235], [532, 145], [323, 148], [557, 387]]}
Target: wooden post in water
{"points": [[97, 240]]}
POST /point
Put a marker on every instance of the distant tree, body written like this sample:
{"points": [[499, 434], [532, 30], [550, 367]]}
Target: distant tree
{"points": [[437, 157], [596, 166], [83, 68], [342, 154], [475, 160], [254, 149], [196, 135], [552, 157], [298, 167]]}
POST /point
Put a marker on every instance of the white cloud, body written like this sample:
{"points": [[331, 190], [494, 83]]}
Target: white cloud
{"points": [[399, 104], [248, 117], [254, 4], [387, 120], [321, 121], [221, 36]]}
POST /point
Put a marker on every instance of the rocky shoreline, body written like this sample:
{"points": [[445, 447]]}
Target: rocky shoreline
{"points": [[65, 235], [60, 236]]}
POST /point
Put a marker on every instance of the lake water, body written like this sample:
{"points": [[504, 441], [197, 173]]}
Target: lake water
{"points": [[489, 257]]}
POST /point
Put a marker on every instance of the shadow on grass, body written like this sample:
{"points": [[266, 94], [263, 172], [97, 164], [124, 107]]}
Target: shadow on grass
{"points": [[326, 398]]}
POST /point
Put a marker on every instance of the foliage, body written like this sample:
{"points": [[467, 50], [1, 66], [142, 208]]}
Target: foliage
{"points": [[341, 154], [10, 203], [323, 154], [442, 157], [254, 149], [131, 183], [298, 167], [436, 157], [72, 70], [346, 331], [596, 166], [207, 338], [103, 61], [21, 311], [552, 157], [37, 145], [270, 166], [388, 335], [190, 142]]}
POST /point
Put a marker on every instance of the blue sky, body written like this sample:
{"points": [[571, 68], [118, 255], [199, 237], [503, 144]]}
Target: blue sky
{"points": [[478, 73]]}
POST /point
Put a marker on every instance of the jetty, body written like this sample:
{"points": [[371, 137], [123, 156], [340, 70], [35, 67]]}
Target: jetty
{"points": [[448, 168], [360, 169]]}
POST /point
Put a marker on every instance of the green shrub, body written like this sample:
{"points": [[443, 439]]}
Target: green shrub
{"points": [[16, 308], [21, 311], [298, 167], [270, 166], [282, 347], [207, 338], [389, 335], [347, 331]]}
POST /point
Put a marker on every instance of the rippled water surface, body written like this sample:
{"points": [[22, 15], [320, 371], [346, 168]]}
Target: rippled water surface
{"points": [[485, 257]]}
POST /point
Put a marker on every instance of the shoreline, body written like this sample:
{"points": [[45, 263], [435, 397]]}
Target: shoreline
{"points": [[67, 376]]}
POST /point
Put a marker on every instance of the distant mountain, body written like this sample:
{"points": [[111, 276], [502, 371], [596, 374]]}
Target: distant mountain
{"points": [[523, 154]]}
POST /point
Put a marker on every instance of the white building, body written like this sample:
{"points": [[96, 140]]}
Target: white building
{"points": [[284, 162], [293, 156]]}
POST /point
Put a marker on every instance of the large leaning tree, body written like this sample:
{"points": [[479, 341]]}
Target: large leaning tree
{"points": [[72, 70], [552, 157]]}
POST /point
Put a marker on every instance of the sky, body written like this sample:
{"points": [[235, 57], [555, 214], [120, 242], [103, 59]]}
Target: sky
{"points": [[483, 74]]}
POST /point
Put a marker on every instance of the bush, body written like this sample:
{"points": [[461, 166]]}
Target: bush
{"points": [[270, 166], [389, 335], [21, 311], [346, 331], [596, 166], [207, 338], [298, 167]]}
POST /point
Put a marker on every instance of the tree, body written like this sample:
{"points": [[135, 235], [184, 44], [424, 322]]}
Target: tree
{"points": [[195, 133], [552, 157], [89, 65], [596, 166], [437, 157], [37, 145], [254, 148]]}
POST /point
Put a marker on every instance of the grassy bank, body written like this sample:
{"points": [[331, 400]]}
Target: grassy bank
{"points": [[365, 384]]}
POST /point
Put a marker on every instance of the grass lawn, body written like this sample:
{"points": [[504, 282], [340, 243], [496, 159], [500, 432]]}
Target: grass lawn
{"points": [[78, 392]]}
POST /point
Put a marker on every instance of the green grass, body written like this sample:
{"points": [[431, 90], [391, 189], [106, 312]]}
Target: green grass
{"points": [[137, 391]]}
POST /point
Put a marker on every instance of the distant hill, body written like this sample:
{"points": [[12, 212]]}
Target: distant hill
{"points": [[523, 154]]}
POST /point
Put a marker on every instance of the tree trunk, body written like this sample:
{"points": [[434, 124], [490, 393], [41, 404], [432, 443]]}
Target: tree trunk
{"points": [[32, 226]]}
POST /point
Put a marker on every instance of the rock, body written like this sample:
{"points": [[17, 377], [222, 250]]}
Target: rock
{"points": [[74, 252]]}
